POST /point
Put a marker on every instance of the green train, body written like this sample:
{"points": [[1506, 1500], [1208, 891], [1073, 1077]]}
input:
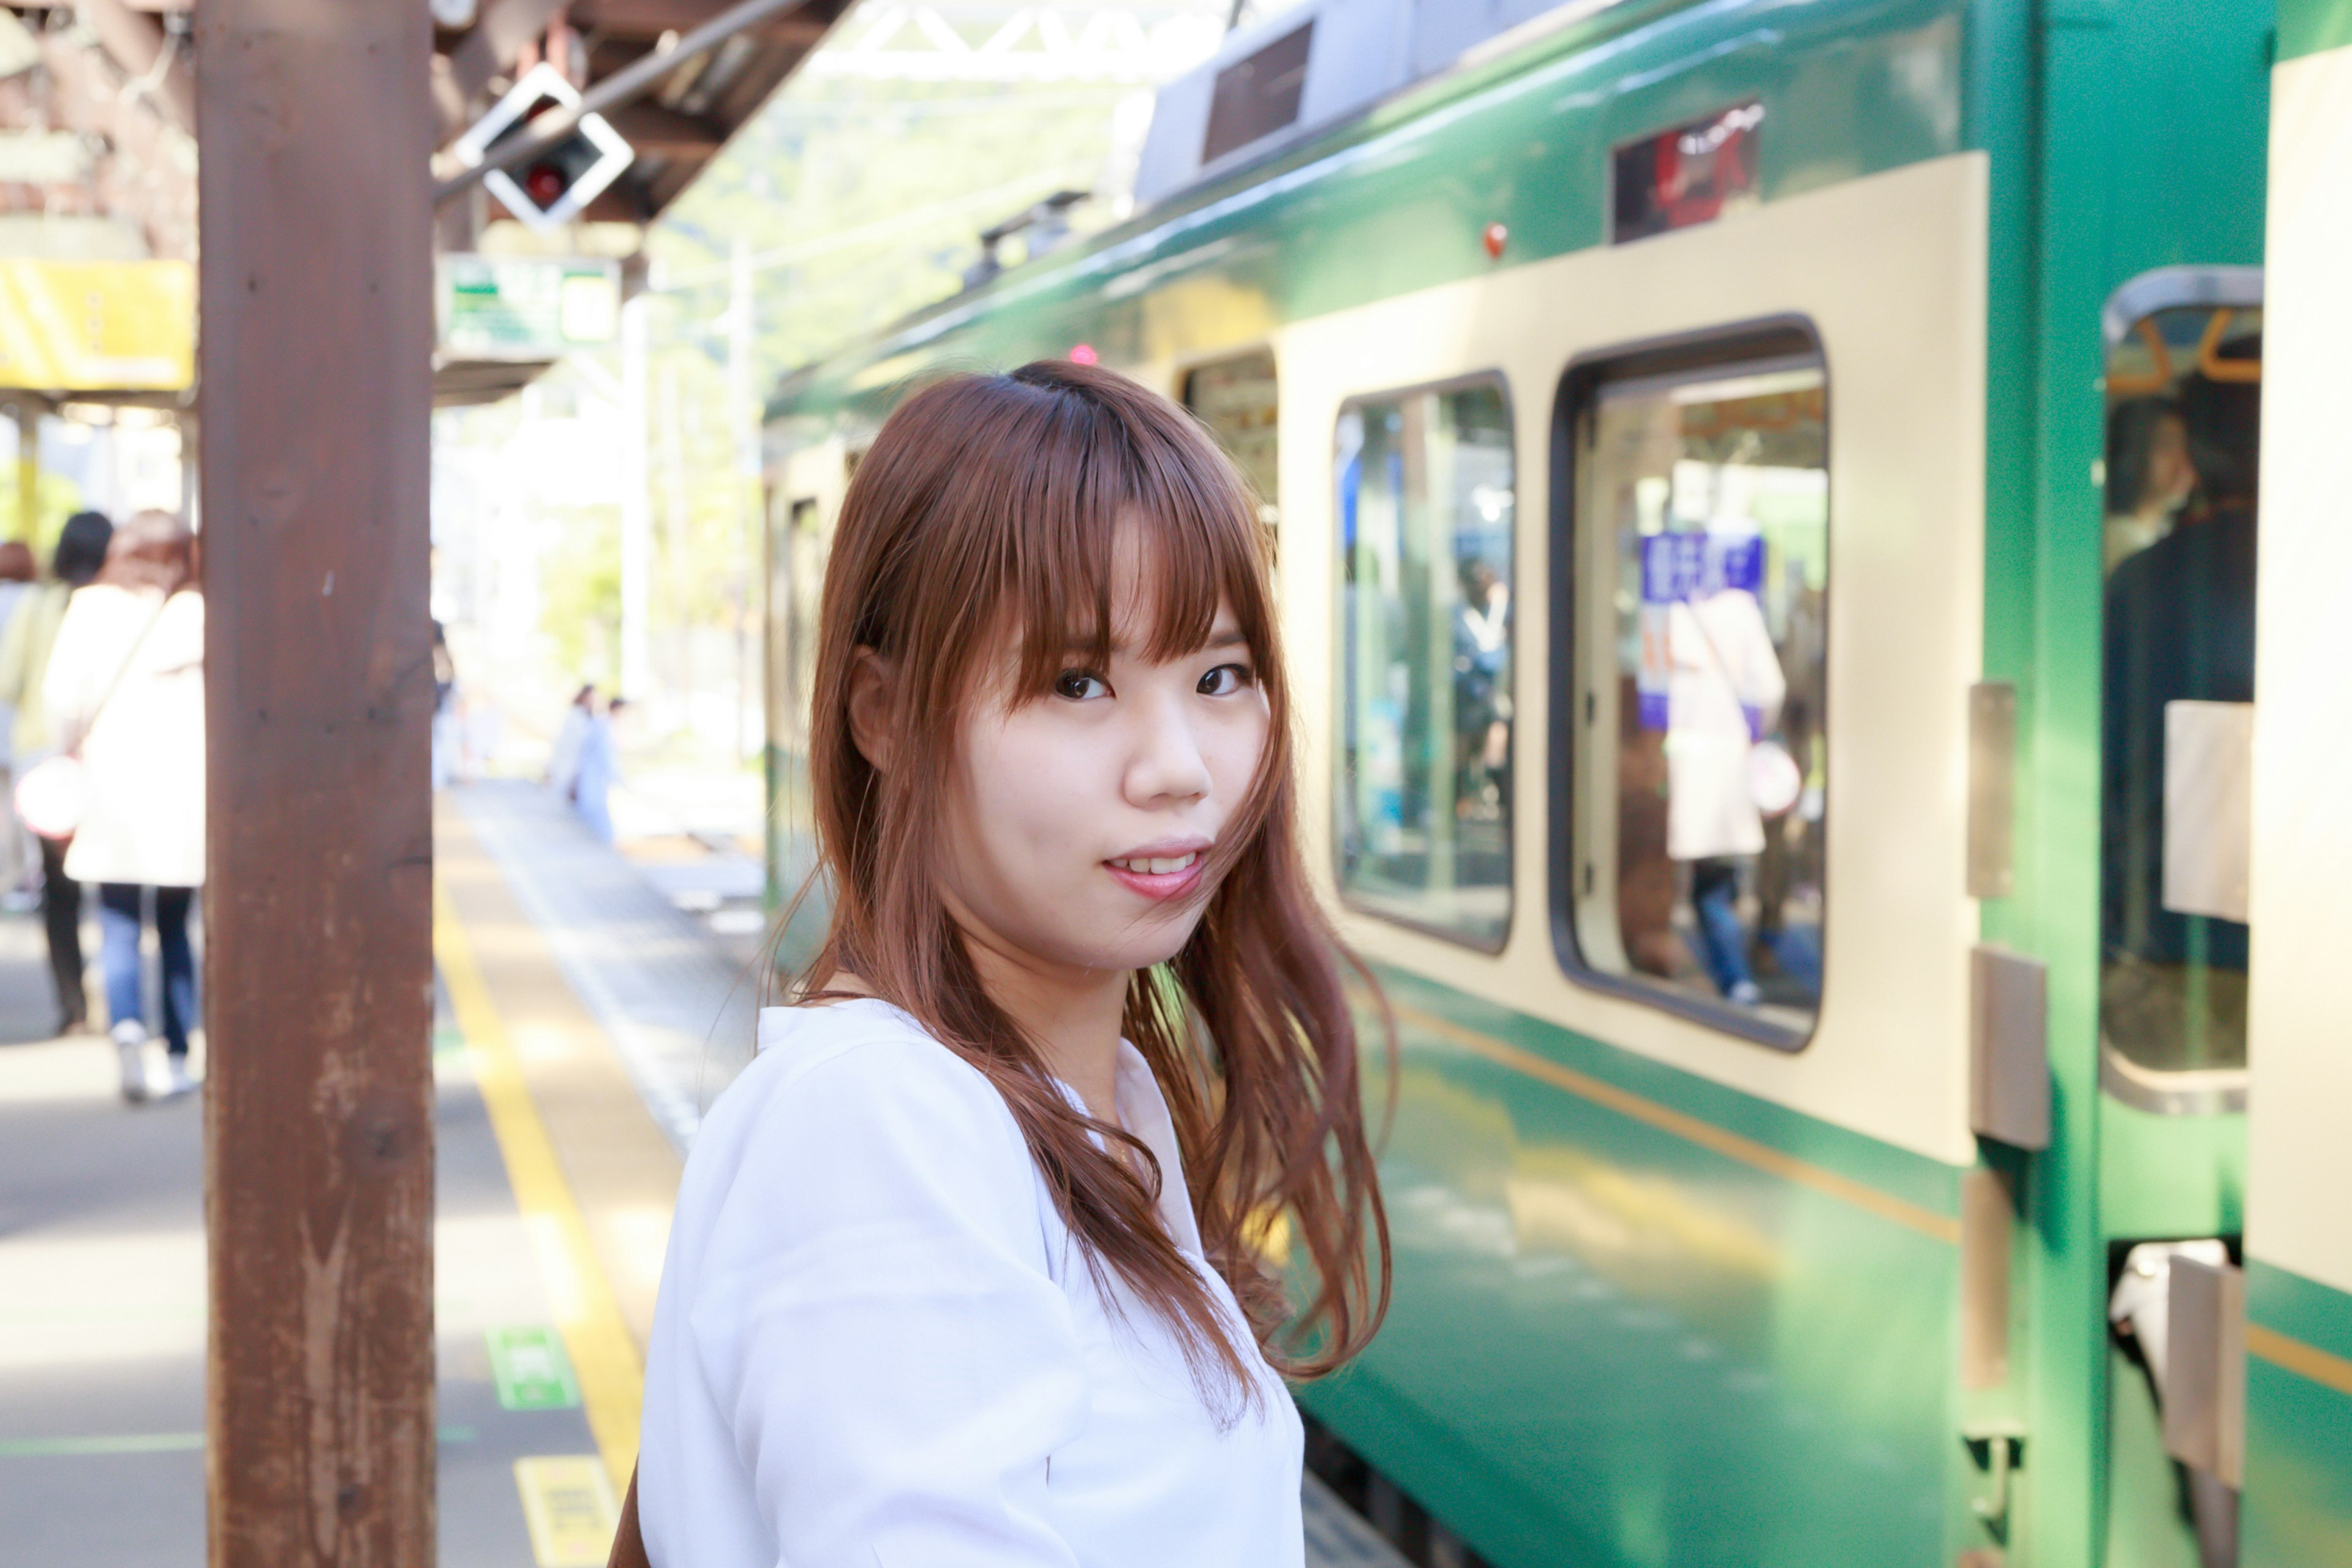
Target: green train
{"points": [[1765, 494]]}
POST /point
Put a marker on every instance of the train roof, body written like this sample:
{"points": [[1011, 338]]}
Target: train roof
{"points": [[1400, 195]]}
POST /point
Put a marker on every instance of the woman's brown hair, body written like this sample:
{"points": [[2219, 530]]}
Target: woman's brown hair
{"points": [[151, 549], [987, 509]]}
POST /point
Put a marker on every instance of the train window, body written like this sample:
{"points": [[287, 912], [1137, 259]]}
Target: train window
{"points": [[1235, 398], [1694, 601], [1257, 96], [1422, 824], [2183, 439]]}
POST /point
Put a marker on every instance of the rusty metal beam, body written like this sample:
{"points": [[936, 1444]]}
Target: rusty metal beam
{"points": [[316, 124]]}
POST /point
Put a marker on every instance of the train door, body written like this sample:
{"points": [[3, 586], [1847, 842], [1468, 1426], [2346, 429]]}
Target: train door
{"points": [[2293, 1370], [2180, 495]]}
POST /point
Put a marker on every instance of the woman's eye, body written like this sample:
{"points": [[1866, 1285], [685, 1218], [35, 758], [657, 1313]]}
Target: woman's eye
{"points": [[1077, 686], [1225, 680]]}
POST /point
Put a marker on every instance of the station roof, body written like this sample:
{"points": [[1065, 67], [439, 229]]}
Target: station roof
{"points": [[677, 127]]}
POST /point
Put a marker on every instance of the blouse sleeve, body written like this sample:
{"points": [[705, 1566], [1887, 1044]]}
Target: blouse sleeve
{"points": [[878, 1324]]}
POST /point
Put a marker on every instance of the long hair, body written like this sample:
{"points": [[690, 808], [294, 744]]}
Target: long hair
{"points": [[151, 549], [986, 509]]}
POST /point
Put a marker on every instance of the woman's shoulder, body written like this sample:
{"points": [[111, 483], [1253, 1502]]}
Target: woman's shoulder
{"points": [[851, 1111], [862, 1066]]}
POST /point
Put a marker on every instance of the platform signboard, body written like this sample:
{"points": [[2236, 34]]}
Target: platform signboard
{"points": [[526, 307], [96, 326]]}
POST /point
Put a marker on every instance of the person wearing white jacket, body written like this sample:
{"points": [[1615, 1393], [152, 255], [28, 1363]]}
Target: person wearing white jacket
{"points": [[125, 690]]}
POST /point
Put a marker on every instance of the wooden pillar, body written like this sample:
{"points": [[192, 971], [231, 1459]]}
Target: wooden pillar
{"points": [[315, 126]]}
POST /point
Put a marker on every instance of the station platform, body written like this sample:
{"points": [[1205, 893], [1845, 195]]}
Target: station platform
{"points": [[591, 1004]]}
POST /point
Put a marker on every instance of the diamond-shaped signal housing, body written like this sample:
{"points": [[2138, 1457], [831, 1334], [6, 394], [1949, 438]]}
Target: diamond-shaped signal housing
{"points": [[541, 84]]}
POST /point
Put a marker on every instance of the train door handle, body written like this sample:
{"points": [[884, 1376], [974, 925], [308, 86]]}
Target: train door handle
{"points": [[2004, 1444]]}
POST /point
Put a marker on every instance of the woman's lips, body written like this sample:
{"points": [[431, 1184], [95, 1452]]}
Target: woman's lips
{"points": [[1158, 877]]}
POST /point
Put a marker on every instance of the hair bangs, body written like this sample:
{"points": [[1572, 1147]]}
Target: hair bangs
{"points": [[1134, 544]]}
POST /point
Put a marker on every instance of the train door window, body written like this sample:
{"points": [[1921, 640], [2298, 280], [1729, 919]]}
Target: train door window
{"points": [[795, 579], [1235, 398], [1690, 655], [2183, 439], [1422, 824]]}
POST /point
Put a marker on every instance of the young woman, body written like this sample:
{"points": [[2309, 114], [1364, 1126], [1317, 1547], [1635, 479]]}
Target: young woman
{"points": [[125, 690], [970, 1266]]}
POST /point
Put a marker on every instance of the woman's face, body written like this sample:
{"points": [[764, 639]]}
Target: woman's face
{"points": [[1079, 830]]}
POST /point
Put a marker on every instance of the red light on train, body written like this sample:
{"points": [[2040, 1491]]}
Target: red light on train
{"points": [[1497, 236], [1085, 354]]}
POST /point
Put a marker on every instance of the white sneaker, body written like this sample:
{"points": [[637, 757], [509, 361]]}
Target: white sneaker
{"points": [[131, 1048], [176, 1078]]}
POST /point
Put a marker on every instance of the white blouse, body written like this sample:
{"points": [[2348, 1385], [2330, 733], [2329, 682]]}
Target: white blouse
{"points": [[877, 1346]]}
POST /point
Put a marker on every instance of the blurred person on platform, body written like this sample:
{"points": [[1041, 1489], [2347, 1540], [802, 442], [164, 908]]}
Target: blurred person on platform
{"points": [[24, 648], [599, 770], [126, 687], [16, 573], [448, 725], [563, 757]]}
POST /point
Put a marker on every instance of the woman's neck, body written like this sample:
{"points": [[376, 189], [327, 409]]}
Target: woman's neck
{"points": [[1073, 1014]]}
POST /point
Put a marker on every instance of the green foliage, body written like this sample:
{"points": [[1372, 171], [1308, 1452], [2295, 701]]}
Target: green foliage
{"points": [[863, 200], [580, 590], [56, 499]]}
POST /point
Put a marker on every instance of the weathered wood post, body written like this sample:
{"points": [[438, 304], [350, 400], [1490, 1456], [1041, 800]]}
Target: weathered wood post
{"points": [[314, 127]]}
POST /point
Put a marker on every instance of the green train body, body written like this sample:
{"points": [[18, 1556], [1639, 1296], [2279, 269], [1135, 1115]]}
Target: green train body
{"points": [[1686, 1283]]}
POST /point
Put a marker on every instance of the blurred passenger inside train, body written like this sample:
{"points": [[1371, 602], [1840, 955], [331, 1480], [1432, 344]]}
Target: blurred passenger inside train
{"points": [[125, 691], [2150, 476], [1482, 691], [24, 646], [1725, 696], [968, 1266], [2179, 677]]}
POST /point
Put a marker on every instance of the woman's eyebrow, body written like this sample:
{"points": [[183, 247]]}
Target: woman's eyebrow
{"points": [[1232, 637]]}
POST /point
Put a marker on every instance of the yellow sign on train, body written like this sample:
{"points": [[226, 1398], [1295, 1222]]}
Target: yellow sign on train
{"points": [[96, 326]]}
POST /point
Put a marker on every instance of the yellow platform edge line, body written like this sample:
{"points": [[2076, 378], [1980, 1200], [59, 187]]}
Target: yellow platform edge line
{"points": [[1691, 1129], [587, 1313], [2303, 1361]]}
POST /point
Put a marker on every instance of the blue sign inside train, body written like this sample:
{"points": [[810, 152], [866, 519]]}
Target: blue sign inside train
{"points": [[1678, 566]]}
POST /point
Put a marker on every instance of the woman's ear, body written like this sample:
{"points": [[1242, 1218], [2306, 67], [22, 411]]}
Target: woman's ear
{"points": [[873, 691]]}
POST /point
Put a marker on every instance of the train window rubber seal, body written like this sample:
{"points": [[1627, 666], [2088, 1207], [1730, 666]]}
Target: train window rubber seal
{"points": [[1705, 354], [1468, 381]]}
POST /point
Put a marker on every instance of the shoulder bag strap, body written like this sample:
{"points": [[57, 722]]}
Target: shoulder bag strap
{"points": [[120, 672]]}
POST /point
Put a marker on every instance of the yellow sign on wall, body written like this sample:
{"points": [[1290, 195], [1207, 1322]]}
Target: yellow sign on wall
{"points": [[96, 326]]}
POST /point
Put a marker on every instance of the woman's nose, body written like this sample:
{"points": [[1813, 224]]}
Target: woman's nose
{"points": [[1168, 763]]}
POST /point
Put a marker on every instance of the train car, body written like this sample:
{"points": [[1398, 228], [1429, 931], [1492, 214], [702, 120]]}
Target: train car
{"points": [[1764, 494]]}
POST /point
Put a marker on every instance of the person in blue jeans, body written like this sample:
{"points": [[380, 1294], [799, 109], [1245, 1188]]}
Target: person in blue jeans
{"points": [[1722, 936], [125, 690], [119, 921]]}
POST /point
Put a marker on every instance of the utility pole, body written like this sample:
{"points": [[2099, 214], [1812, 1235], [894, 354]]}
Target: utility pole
{"points": [[743, 408], [316, 123], [29, 470], [636, 507]]}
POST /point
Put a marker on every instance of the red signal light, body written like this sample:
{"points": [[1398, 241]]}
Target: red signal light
{"points": [[544, 184], [1494, 239]]}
